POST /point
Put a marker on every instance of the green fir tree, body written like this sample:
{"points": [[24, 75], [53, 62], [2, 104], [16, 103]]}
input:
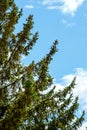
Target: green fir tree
{"points": [[22, 105]]}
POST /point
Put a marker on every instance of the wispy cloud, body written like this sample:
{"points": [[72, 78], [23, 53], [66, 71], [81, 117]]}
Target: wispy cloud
{"points": [[66, 6], [68, 24], [29, 6], [50, 2], [23, 58]]}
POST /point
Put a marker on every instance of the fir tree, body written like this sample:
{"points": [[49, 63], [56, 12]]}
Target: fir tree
{"points": [[22, 105]]}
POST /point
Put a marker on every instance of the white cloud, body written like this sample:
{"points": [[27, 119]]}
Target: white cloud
{"points": [[29, 6], [79, 90], [81, 85], [66, 6], [84, 126]]}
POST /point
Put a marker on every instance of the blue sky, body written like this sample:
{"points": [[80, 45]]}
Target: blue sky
{"points": [[65, 20]]}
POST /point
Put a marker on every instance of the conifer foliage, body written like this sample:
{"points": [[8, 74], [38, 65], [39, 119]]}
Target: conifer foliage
{"points": [[23, 106]]}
